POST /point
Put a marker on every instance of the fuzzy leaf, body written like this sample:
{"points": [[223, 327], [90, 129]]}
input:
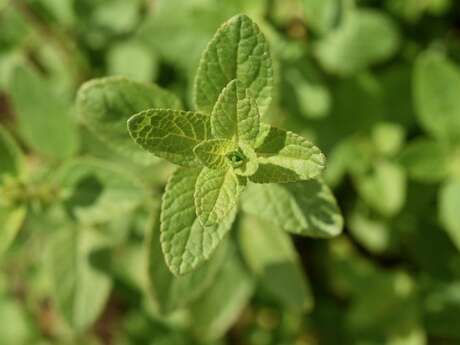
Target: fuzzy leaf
{"points": [[449, 210], [170, 134], [185, 241], [106, 104], [286, 157], [306, 208], [216, 195], [237, 51], [214, 153], [11, 220], [235, 115]]}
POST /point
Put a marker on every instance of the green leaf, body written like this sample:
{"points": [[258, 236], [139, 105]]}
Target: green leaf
{"points": [[171, 292], [237, 51], [383, 188], [235, 115], [11, 220], [436, 90], [425, 160], [364, 38], [45, 118], [106, 104], [95, 192], [321, 15], [449, 210], [80, 291], [185, 241], [306, 208], [270, 253], [286, 157], [216, 195], [215, 153], [18, 329], [220, 306], [170, 134], [11, 158]]}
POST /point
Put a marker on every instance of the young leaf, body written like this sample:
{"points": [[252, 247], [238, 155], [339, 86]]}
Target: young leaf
{"points": [[45, 118], [235, 115], [306, 208], [79, 289], [215, 153], [185, 241], [271, 255], [237, 51], [170, 134], [438, 111], [286, 157], [171, 292], [11, 159], [216, 195], [106, 104]]}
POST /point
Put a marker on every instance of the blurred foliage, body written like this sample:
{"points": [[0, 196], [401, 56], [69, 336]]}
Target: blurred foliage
{"points": [[374, 83]]}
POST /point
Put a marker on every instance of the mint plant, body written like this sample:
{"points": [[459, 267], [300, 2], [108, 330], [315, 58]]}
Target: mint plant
{"points": [[222, 146]]}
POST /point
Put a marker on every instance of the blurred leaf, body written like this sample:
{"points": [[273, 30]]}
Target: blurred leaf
{"points": [[270, 253], [94, 192], [321, 15], [220, 305], [45, 120], [425, 160], [436, 88], [11, 220], [106, 104], [80, 291], [364, 38], [11, 159], [120, 60], [18, 329], [384, 188], [305, 208], [449, 209]]}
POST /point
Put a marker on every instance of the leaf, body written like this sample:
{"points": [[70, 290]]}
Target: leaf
{"points": [[271, 255], [286, 157], [436, 89], [80, 291], [305, 208], [220, 305], [94, 192], [216, 195], [235, 115], [11, 220], [425, 160], [170, 134], [11, 157], [383, 188], [237, 51], [18, 329], [364, 38], [45, 118], [185, 242], [106, 104], [449, 210], [171, 292], [214, 153], [321, 14]]}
